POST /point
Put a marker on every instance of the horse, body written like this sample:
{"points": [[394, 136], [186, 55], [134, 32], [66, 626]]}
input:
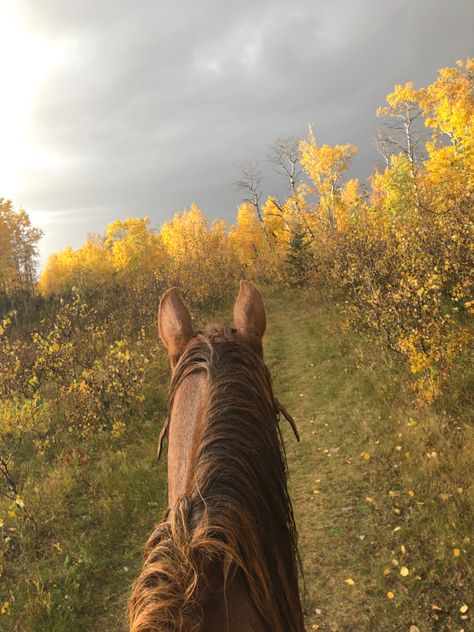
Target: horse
{"points": [[224, 557]]}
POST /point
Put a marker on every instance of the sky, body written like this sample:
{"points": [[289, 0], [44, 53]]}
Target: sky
{"points": [[133, 108]]}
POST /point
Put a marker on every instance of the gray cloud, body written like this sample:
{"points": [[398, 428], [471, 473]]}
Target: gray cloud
{"points": [[156, 102]]}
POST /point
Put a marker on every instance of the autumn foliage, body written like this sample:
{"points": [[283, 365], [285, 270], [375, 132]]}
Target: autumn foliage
{"points": [[396, 256]]}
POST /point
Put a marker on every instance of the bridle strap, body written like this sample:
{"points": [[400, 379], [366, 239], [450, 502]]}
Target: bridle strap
{"points": [[163, 433], [281, 409]]}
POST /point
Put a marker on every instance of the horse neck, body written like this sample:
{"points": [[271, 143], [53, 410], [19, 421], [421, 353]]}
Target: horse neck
{"points": [[232, 611], [185, 430], [227, 609], [234, 606]]}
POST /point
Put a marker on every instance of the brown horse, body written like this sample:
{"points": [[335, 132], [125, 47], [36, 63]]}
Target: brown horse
{"points": [[224, 558]]}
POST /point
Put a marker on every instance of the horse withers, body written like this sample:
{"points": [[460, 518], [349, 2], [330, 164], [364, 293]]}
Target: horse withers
{"points": [[224, 558]]}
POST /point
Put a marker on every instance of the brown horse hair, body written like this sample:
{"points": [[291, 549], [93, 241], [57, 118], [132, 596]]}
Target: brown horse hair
{"points": [[238, 517]]}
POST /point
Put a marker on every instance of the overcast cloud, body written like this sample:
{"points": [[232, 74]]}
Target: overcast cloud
{"points": [[147, 106]]}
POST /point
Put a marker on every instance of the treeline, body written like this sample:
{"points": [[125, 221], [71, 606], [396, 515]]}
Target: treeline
{"points": [[398, 255]]}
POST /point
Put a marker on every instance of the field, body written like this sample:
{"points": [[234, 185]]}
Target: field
{"points": [[382, 488]]}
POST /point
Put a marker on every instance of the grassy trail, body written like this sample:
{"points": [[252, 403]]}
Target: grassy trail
{"points": [[355, 480]]}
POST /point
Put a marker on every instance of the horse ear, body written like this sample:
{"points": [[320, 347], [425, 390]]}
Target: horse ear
{"points": [[174, 324], [250, 318]]}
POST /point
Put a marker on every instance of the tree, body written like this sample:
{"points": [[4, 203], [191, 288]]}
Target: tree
{"points": [[325, 167], [18, 258]]}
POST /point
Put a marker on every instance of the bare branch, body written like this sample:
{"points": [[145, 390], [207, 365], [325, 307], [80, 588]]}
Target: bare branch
{"points": [[250, 182]]}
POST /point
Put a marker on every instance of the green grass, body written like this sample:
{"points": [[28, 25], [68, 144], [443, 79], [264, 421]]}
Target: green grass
{"points": [[375, 479]]}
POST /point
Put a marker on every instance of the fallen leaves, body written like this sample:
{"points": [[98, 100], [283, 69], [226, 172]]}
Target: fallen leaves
{"points": [[349, 581], [404, 572], [19, 502]]}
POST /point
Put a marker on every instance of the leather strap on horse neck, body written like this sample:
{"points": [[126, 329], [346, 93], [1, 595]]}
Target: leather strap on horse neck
{"points": [[163, 434], [281, 409]]}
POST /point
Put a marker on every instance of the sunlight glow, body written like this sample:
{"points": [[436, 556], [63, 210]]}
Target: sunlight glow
{"points": [[25, 62]]}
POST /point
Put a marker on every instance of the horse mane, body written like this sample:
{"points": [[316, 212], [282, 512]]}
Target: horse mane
{"points": [[238, 516]]}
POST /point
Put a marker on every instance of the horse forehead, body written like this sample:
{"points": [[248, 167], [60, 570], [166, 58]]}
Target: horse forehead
{"points": [[210, 337]]}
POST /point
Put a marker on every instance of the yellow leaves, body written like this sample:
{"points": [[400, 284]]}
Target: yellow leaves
{"points": [[387, 571], [464, 608], [456, 552], [19, 502], [365, 456], [349, 581], [325, 162], [390, 594], [325, 166], [469, 305], [404, 572], [5, 608], [403, 97], [118, 429]]}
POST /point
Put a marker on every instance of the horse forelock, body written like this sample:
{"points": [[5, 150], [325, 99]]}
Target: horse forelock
{"points": [[239, 514]]}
